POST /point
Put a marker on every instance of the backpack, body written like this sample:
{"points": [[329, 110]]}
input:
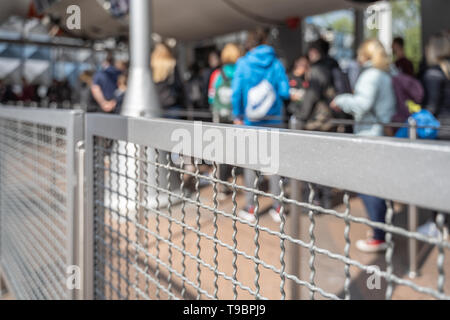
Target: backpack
{"points": [[428, 126], [222, 99], [406, 88], [260, 99], [340, 81]]}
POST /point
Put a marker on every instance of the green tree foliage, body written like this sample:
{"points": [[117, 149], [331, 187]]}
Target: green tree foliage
{"points": [[343, 24], [406, 23]]}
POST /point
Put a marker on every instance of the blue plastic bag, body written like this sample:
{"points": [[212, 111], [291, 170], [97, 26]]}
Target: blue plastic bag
{"points": [[424, 118]]}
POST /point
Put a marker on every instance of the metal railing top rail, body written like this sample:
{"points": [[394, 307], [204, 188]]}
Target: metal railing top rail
{"points": [[204, 114], [389, 125], [49, 117], [335, 121], [395, 169]]}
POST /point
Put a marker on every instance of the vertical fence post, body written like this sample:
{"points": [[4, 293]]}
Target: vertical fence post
{"points": [[2, 284], [294, 228], [80, 210], [87, 241], [412, 214]]}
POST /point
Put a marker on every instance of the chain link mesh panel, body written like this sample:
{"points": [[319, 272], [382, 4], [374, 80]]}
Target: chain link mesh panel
{"points": [[170, 227], [36, 206]]}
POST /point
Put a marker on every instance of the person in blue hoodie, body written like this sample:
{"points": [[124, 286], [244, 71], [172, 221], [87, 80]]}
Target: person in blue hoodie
{"points": [[259, 86]]}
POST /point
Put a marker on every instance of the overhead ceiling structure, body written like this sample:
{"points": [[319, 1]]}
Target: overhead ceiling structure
{"points": [[194, 19], [199, 19], [10, 8]]}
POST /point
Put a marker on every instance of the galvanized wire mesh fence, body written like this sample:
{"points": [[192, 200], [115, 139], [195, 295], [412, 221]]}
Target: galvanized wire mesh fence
{"points": [[164, 230], [36, 202], [165, 226]]}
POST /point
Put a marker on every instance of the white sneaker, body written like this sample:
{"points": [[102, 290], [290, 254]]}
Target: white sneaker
{"points": [[371, 245], [430, 230], [275, 214], [222, 196], [248, 215]]}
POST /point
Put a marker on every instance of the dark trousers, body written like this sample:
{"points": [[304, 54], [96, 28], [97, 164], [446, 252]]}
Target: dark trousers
{"points": [[376, 209], [224, 171]]}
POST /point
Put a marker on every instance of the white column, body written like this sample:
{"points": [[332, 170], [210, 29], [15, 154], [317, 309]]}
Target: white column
{"points": [[141, 99], [385, 25]]}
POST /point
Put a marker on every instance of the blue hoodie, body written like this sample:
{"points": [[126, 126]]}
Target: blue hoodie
{"points": [[257, 65]]}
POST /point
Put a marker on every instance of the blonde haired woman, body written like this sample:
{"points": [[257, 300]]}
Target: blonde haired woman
{"points": [[221, 94], [167, 80], [372, 103]]}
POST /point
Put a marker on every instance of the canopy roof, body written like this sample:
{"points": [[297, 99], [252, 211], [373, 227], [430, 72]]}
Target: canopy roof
{"points": [[182, 19], [198, 19]]}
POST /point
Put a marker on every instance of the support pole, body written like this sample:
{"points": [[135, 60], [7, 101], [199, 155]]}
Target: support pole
{"points": [[385, 25], [359, 30], [141, 99], [293, 250], [412, 215]]}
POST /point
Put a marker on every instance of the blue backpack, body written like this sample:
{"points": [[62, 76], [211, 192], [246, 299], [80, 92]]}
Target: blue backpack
{"points": [[428, 126]]}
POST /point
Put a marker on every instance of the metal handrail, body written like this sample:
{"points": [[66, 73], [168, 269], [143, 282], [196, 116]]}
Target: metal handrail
{"points": [[388, 125], [355, 162], [191, 114], [377, 166]]}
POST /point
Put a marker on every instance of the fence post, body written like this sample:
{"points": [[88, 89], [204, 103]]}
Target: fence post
{"points": [[294, 228], [412, 214], [88, 218], [80, 209], [2, 283]]}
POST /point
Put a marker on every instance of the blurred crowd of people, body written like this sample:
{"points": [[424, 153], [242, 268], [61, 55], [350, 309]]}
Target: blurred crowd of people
{"points": [[315, 90], [319, 92], [58, 92], [250, 86]]}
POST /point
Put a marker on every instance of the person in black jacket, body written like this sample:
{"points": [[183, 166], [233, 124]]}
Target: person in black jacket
{"points": [[298, 84], [169, 84], [436, 79], [314, 112], [401, 61]]}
